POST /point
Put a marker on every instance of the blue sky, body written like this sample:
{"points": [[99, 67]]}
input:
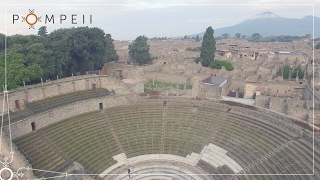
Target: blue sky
{"points": [[127, 19]]}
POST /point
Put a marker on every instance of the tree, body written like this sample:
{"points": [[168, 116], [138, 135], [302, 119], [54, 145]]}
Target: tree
{"points": [[111, 53], [197, 38], [197, 60], [208, 47], [286, 71], [2, 41], [225, 35], [300, 72], [307, 36], [185, 37], [228, 66], [18, 70], [61, 52], [217, 64], [139, 50], [237, 35], [42, 31], [79, 49], [318, 46], [256, 36], [243, 36]]}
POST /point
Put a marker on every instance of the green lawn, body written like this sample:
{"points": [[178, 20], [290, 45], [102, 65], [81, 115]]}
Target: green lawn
{"points": [[160, 85]]}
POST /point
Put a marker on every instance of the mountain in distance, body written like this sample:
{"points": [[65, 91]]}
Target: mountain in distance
{"points": [[268, 24]]}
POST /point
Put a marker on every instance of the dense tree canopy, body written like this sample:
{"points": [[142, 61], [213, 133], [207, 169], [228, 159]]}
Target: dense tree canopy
{"points": [[139, 50], [61, 52], [256, 35], [217, 64], [208, 47], [111, 53], [300, 72], [286, 71], [225, 35]]}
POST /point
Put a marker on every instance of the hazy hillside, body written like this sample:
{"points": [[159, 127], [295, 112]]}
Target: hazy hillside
{"points": [[269, 23]]}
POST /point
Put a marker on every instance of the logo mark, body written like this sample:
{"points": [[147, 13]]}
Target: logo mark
{"points": [[31, 22]]}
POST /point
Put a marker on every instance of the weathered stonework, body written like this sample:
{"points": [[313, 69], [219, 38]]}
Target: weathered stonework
{"points": [[23, 126]]}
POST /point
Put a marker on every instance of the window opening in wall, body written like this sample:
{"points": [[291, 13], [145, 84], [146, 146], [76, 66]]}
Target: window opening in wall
{"points": [[100, 106], [93, 86], [164, 103], [17, 104], [33, 126]]}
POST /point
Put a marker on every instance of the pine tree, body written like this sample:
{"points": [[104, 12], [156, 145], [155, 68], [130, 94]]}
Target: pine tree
{"points": [[286, 71], [208, 47], [197, 38]]}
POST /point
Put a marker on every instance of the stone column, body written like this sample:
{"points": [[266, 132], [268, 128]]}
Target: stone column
{"points": [[25, 90], [43, 91], [58, 84], [74, 86], [289, 76]]}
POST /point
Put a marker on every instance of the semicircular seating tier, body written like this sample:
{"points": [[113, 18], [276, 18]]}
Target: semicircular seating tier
{"points": [[215, 140]]}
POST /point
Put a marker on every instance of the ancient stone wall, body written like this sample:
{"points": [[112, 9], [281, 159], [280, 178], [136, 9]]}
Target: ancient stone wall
{"points": [[137, 88], [169, 78], [277, 104], [292, 58], [263, 101], [308, 94], [23, 127], [63, 86]]}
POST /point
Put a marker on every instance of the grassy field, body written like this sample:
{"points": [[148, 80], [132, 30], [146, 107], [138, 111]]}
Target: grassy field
{"points": [[160, 85]]}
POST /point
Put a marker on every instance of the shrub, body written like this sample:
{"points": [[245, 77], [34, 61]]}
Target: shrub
{"points": [[197, 60], [217, 64]]}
